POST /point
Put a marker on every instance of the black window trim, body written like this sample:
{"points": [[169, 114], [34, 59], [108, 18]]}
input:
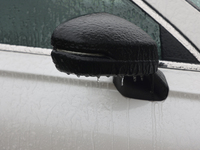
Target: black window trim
{"points": [[191, 47]]}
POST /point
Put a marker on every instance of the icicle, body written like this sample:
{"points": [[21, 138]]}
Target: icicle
{"points": [[98, 78], [122, 81], [141, 77], [134, 78]]}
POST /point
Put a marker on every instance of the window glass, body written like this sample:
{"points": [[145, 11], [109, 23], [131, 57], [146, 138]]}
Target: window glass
{"points": [[30, 23], [195, 3]]}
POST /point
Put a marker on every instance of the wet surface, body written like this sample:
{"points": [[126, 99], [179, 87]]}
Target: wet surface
{"points": [[41, 108]]}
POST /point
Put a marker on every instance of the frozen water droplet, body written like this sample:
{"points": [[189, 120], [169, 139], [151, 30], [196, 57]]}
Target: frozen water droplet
{"points": [[141, 77], [134, 78], [122, 81], [78, 76], [98, 79]]}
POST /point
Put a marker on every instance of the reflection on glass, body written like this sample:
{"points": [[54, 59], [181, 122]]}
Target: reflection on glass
{"points": [[195, 3], [31, 23]]}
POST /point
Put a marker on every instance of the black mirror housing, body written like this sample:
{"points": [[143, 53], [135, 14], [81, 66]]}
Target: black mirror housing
{"points": [[104, 45]]}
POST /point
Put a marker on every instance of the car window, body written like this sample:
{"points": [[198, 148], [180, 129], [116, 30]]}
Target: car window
{"points": [[195, 3], [31, 23]]}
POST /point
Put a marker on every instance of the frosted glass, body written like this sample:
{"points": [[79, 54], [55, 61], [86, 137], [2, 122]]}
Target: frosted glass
{"points": [[30, 23]]}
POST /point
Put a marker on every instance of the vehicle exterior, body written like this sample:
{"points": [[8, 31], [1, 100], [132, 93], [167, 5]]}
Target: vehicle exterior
{"points": [[42, 108]]}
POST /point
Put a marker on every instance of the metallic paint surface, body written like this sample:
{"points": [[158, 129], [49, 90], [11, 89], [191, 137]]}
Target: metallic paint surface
{"points": [[41, 108], [42, 51]]}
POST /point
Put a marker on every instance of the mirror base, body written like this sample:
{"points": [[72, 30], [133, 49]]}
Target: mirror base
{"points": [[152, 87]]}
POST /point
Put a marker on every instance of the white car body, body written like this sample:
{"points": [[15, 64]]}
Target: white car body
{"points": [[43, 109]]}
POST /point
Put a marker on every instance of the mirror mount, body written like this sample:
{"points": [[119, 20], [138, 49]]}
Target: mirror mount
{"points": [[152, 87]]}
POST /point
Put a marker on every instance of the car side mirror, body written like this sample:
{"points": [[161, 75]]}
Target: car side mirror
{"points": [[102, 44]]}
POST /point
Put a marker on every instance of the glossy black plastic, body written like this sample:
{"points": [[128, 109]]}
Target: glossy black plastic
{"points": [[149, 87]]}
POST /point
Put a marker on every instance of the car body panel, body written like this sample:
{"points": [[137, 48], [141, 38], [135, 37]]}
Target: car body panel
{"points": [[42, 108]]}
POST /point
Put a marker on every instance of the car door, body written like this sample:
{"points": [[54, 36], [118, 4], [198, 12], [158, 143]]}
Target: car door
{"points": [[42, 108]]}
